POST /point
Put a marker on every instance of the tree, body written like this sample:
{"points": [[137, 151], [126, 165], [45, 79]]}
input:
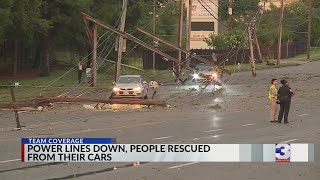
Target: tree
{"points": [[4, 18], [25, 26], [230, 39]]}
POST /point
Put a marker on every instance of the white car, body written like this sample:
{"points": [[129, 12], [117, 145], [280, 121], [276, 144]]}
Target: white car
{"points": [[130, 86]]}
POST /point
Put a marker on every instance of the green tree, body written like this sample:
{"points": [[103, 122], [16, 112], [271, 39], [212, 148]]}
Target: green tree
{"points": [[230, 39], [4, 17]]}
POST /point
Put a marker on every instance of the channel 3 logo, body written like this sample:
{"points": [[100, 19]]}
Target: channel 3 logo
{"points": [[283, 152]]}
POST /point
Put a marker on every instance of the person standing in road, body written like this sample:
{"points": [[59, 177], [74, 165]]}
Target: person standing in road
{"points": [[80, 71], [285, 94], [154, 85], [273, 91]]}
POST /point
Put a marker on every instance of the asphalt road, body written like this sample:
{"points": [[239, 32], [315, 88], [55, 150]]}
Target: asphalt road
{"points": [[165, 126]]}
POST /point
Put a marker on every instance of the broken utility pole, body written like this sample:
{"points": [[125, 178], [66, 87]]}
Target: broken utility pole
{"points": [[94, 55], [189, 16], [280, 32], [135, 40], [252, 63], [15, 111], [120, 48], [178, 69], [41, 101], [154, 32], [256, 41], [309, 28], [203, 60]]}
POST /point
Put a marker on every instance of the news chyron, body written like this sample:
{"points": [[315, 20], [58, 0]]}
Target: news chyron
{"points": [[108, 150]]}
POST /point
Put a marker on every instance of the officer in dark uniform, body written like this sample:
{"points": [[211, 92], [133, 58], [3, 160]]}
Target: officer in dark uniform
{"points": [[284, 97]]}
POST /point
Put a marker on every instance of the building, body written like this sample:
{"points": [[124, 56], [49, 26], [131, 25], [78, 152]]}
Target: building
{"points": [[202, 22], [265, 4]]}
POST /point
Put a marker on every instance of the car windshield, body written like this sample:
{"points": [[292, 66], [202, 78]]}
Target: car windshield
{"points": [[202, 67], [128, 80]]}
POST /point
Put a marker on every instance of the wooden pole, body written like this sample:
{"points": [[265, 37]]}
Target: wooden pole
{"points": [[120, 48], [309, 28], [175, 47], [106, 101], [15, 111], [230, 13], [280, 32], [154, 32], [189, 31], [252, 63], [139, 41], [180, 36], [257, 43], [94, 55]]}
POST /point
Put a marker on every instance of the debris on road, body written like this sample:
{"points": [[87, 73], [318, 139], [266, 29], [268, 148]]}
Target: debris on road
{"points": [[106, 101]]}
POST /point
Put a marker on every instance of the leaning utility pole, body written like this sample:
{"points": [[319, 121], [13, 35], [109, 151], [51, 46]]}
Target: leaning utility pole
{"points": [[309, 28], [189, 31], [94, 54], [252, 63], [280, 32], [120, 47], [230, 13], [154, 32], [180, 36], [257, 42]]}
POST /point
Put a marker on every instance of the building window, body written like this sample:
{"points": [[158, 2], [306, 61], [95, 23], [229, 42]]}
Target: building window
{"points": [[202, 26]]}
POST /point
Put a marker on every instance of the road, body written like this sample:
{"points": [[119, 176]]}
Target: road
{"points": [[245, 122]]}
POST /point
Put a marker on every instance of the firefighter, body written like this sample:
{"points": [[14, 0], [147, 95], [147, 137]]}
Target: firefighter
{"points": [[285, 94], [273, 92]]}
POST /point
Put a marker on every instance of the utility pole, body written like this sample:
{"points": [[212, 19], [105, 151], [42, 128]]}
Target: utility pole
{"points": [[189, 31], [280, 32], [154, 32], [230, 12], [256, 41], [94, 54], [309, 28], [180, 37], [253, 66], [15, 111], [120, 47]]}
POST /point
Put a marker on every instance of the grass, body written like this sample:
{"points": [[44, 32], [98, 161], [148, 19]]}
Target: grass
{"points": [[34, 86], [260, 66]]}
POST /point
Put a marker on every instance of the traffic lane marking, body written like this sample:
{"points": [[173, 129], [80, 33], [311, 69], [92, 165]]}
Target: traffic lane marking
{"points": [[303, 115], [182, 165], [90, 130], [208, 137], [165, 137], [291, 140], [244, 125], [213, 130], [12, 160]]}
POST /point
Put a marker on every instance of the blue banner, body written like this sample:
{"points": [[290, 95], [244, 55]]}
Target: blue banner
{"points": [[68, 140]]}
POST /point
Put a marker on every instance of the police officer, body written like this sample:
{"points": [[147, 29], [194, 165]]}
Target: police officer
{"points": [[273, 92], [284, 99]]}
